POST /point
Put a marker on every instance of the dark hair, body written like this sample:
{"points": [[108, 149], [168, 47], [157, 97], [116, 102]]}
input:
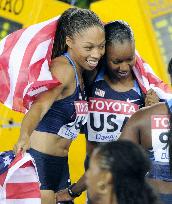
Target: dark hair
{"points": [[128, 164], [71, 22], [170, 67], [118, 31]]}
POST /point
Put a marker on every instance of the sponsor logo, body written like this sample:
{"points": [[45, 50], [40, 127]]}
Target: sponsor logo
{"points": [[81, 107], [160, 121], [99, 92], [112, 106], [132, 101], [108, 138]]}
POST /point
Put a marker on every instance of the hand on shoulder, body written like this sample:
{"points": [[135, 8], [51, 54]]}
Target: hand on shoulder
{"points": [[151, 98]]}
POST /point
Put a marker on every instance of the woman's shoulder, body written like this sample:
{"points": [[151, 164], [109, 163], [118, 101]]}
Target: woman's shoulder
{"points": [[60, 64], [62, 69]]}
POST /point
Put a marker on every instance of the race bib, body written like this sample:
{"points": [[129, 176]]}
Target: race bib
{"points": [[107, 118], [160, 128], [71, 130]]}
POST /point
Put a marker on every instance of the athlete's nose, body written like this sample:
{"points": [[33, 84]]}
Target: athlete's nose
{"points": [[124, 66], [96, 53]]}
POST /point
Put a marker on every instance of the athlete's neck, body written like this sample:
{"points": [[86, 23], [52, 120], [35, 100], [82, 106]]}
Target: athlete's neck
{"points": [[121, 85]]}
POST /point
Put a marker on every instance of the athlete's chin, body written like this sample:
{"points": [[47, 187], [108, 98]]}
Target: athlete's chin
{"points": [[90, 68]]}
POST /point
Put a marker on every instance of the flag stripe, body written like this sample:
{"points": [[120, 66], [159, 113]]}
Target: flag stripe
{"points": [[19, 183], [27, 173], [2, 45], [22, 50], [16, 63], [147, 79], [6, 75], [22, 81], [23, 201], [22, 190]]}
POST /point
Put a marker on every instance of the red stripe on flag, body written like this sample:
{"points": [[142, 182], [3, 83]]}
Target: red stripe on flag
{"points": [[23, 79], [11, 40], [22, 190], [18, 158], [34, 71], [2, 178]]}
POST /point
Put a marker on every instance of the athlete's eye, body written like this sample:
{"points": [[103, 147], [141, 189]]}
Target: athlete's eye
{"points": [[102, 46], [88, 48], [116, 62]]}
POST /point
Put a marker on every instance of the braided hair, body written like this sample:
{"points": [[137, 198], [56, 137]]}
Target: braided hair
{"points": [[118, 31], [71, 22], [128, 164]]}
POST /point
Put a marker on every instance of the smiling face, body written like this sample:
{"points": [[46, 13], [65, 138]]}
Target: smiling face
{"points": [[87, 47], [120, 58]]}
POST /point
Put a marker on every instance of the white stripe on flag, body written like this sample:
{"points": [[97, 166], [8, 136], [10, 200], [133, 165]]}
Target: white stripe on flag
{"points": [[27, 157], [28, 173], [23, 201], [15, 63], [40, 51], [2, 43], [45, 73]]}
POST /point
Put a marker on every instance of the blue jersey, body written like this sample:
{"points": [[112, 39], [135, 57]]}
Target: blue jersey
{"points": [[66, 116], [159, 153], [109, 110]]}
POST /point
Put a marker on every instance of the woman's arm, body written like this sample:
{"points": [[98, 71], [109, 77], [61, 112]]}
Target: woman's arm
{"points": [[41, 105], [34, 116]]}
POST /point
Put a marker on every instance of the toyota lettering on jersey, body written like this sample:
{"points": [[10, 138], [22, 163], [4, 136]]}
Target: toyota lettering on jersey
{"points": [[107, 118], [160, 128], [71, 130]]}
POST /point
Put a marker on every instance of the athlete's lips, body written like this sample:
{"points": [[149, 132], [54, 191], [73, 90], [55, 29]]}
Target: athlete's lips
{"points": [[92, 63], [123, 74]]}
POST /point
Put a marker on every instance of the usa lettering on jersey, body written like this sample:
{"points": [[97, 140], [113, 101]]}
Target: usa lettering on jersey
{"points": [[107, 118], [160, 128], [72, 129]]}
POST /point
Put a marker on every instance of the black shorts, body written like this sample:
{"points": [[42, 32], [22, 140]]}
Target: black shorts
{"points": [[53, 171]]}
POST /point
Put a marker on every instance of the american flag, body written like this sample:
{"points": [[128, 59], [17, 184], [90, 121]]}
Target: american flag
{"points": [[24, 64], [147, 79], [19, 182]]}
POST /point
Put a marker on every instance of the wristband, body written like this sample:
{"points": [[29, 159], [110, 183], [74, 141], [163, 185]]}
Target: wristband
{"points": [[71, 193]]}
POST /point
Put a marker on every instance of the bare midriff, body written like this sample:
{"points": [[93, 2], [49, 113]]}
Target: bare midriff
{"points": [[50, 144]]}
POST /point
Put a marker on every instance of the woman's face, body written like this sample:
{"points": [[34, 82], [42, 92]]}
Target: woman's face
{"points": [[97, 179], [120, 58], [87, 47]]}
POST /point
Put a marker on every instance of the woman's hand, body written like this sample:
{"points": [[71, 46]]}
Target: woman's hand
{"points": [[151, 98], [63, 195], [22, 145]]}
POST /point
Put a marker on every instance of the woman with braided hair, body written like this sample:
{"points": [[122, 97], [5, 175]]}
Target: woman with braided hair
{"points": [[116, 175], [55, 118]]}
